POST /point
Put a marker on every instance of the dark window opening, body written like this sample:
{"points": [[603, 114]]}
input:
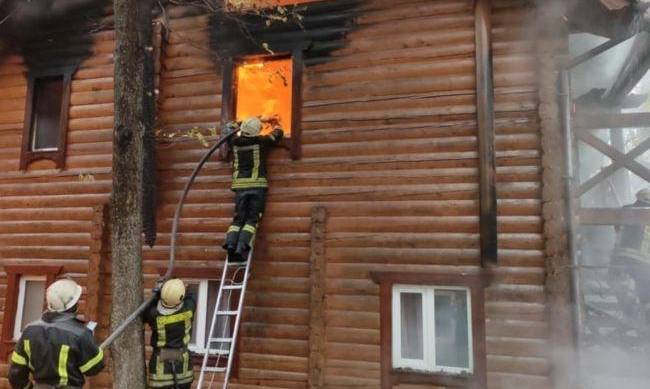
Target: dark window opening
{"points": [[46, 116]]}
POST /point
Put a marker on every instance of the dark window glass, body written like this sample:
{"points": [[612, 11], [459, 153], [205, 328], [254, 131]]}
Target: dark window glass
{"points": [[46, 111]]}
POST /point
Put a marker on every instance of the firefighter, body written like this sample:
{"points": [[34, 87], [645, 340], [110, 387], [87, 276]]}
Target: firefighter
{"points": [[630, 270], [249, 183], [58, 350], [171, 317]]}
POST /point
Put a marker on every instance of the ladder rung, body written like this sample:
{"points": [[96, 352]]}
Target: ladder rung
{"points": [[219, 352], [211, 369], [220, 340], [227, 313], [238, 264], [231, 287]]}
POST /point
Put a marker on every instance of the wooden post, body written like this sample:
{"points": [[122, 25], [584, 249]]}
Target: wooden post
{"points": [[485, 124], [318, 273], [134, 108], [99, 250]]}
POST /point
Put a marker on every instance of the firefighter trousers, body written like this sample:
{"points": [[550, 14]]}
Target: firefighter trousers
{"points": [[249, 207]]}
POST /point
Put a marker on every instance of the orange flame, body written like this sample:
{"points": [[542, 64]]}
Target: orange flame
{"points": [[264, 89]]}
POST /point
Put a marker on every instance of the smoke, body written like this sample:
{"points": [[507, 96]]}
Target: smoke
{"points": [[615, 345], [24, 24]]}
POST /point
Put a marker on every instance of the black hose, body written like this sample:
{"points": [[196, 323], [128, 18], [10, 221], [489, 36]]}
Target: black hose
{"points": [[172, 249]]}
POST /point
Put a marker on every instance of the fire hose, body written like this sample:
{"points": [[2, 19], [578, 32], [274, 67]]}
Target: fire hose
{"points": [[172, 249]]}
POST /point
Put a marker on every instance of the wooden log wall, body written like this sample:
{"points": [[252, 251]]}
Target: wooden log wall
{"points": [[389, 148], [46, 215]]}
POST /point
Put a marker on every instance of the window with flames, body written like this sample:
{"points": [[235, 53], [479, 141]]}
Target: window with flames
{"points": [[264, 88]]}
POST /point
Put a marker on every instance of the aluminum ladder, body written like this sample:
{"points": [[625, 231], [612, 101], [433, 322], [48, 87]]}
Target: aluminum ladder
{"points": [[223, 345]]}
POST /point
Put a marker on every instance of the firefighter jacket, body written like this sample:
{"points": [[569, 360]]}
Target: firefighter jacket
{"points": [[57, 350], [249, 155], [633, 241], [172, 331]]}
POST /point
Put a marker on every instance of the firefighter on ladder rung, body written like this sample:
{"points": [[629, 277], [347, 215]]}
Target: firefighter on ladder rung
{"points": [[250, 186]]}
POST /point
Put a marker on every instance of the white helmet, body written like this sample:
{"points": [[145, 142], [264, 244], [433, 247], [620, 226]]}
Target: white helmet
{"points": [[643, 195], [251, 126], [63, 295], [172, 294]]}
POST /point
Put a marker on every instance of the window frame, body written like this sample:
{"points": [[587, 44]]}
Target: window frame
{"points": [[14, 273], [229, 94], [475, 283], [28, 155], [429, 362], [20, 302], [202, 320]]}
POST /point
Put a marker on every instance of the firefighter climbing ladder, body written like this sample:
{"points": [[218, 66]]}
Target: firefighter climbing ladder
{"points": [[232, 281]]}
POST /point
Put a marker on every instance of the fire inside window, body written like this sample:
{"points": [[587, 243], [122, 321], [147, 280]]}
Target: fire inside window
{"points": [[264, 89]]}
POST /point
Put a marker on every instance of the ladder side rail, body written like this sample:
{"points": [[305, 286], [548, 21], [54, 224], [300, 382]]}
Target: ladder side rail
{"points": [[235, 330], [207, 347]]}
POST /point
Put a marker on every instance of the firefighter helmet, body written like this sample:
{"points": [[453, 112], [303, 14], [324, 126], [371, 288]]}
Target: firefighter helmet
{"points": [[643, 195], [251, 127], [172, 294], [63, 295]]}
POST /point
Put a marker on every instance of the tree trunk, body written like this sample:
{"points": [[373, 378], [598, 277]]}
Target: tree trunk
{"points": [[134, 88]]}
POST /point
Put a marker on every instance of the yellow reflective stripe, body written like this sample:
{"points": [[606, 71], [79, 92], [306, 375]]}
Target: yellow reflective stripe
{"points": [[63, 365], [28, 350], [234, 228], [162, 321], [256, 162], [18, 359], [249, 183], [249, 228], [92, 362], [160, 375]]}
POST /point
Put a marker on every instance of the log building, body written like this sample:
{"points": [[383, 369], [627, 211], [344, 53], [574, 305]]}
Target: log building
{"points": [[420, 178]]}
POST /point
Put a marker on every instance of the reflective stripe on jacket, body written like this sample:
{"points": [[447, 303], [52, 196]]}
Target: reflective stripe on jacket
{"points": [[249, 155], [57, 350], [171, 331]]}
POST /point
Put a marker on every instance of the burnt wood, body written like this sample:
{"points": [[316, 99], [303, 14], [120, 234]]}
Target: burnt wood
{"points": [[485, 123], [476, 282], [317, 23]]}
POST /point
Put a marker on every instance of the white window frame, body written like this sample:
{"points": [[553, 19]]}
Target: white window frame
{"points": [[200, 316], [428, 364], [20, 306], [34, 136]]}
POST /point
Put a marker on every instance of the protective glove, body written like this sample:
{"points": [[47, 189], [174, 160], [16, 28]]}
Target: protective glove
{"points": [[156, 289]]}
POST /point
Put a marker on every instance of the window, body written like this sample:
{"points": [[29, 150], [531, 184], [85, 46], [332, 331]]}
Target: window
{"points": [[31, 301], [264, 89], [24, 300], [263, 85], [206, 296], [432, 329], [46, 116], [206, 292]]}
